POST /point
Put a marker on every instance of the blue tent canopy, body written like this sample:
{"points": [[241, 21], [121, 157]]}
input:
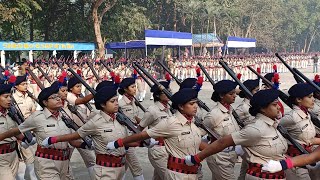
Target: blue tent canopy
{"points": [[135, 44]]}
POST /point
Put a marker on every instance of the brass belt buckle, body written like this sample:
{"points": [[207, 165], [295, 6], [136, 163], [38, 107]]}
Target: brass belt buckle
{"points": [[65, 153]]}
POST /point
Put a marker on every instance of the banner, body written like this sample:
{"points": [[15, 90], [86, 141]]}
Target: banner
{"points": [[40, 46]]}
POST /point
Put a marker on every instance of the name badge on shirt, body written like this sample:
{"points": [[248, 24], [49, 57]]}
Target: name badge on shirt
{"points": [[304, 126], [226, 119], [128, 110], [51, 125], [184, 133], [108, 130], [275, 138], [1, 123]]}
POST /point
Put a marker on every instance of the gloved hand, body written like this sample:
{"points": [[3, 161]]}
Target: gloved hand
{"points": [[85, 146], [115, 144], [206, 139], [191, 160], [25, 144], [152, 143], [272, 166], [239, 150], [47, 142]]}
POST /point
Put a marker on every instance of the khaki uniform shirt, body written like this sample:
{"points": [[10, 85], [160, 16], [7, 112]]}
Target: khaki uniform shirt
{"points": [[221, 120], [140, 84], [299, 125], [154, 115], [44, 125], [243, 111], [129, 108], [6, 123], [25, 103], [181, 137], [82, 109], [261, 140], [103, 129], [316, 110]]}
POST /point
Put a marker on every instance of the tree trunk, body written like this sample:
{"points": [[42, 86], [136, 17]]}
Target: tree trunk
{"points": [[97, 32], [311, 39], [174, 16]]}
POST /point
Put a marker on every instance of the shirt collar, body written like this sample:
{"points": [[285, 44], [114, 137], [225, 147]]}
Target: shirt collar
{"points": [[127, 100], [20, 94], [301, 113], [47, 113], [160, 105], [266, 119], [247, 101], [183, 120], [106, 116], [222, 108]]}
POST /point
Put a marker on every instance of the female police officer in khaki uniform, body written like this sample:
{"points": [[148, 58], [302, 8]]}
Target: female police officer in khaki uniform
{"points": [[156, 113], [221, 120], [52, 162], [261, 140], [128, 89], [299, 125], [103, 128], [181, 136], [8, 156]]}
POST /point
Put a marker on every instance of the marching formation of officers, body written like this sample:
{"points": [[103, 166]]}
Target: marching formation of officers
{"points": [[47, 95]]}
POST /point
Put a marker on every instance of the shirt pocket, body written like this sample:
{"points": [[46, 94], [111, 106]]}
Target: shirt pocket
{"points": [[51, 129], [3, 126], [307, 131], [227, 126]]}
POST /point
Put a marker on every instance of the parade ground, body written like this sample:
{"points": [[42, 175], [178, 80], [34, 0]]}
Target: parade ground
{"points": [[81, 173]]}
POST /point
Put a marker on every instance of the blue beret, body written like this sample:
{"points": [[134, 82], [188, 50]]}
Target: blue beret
{"points": [[5, 88], [103, 95], [103, 84], [46, 92], [224, 86], [269, 76], [155, 88], [72, 82], [2, 81], [188, 83], [126, 82], [300, 90], [20, 79], [183, 96], [251, 83], [263, 98]]}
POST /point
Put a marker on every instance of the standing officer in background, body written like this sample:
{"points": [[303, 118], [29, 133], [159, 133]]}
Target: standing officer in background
{"points": [[315, 59], [27, 106]]}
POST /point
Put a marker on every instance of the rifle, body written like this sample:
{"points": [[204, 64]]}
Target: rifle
{"points": [[197, 122], [87, 104], [16, 114], [121, 117], [65, 117], [172, 75], [1, 70], [234, 113], [296, 77], [280, 128], [137, 103], [282, 95], [93, 71], [201, 103]]}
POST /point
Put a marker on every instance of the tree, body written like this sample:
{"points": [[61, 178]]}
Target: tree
{"points": [[97, 16]]}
